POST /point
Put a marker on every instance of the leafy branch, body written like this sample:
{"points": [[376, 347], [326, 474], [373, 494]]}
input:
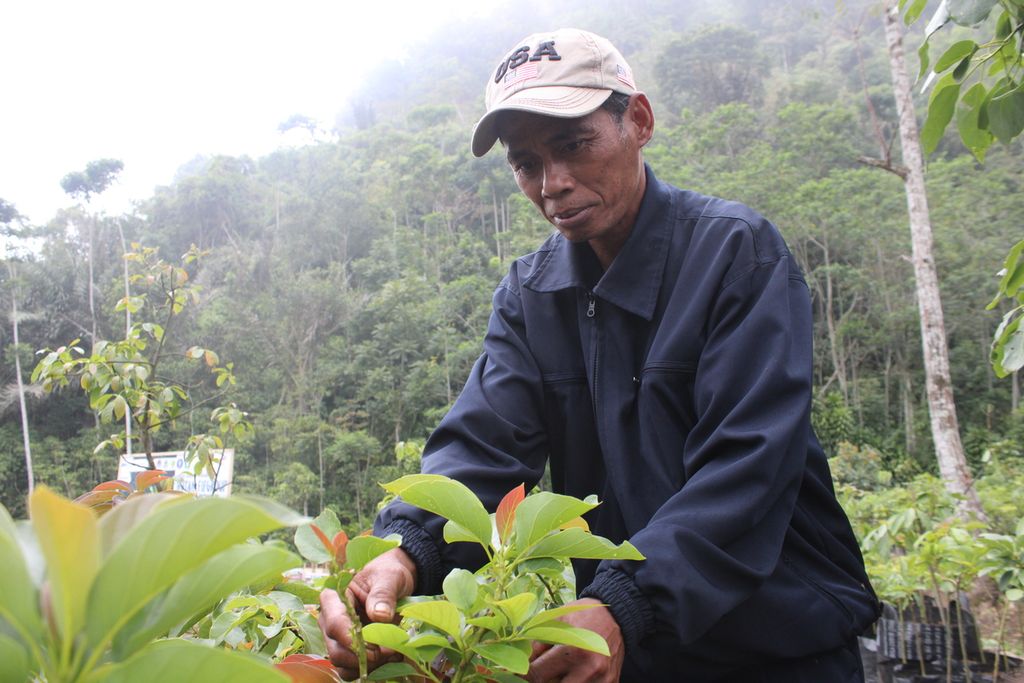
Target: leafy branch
{"points": [[120, 377]]}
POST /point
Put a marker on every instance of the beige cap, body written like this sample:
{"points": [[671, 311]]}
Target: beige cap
{"points": [[565, 73]]}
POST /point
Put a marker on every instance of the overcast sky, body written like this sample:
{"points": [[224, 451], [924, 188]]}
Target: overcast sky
{"points": [[157, 83]]}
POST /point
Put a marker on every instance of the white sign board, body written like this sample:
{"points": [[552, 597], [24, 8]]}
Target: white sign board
{"points": [[174, 463]]}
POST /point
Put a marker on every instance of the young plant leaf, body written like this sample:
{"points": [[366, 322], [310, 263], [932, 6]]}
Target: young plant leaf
{"points": [[392, 671], [445, 497], [544, 512], [390, 636], [557, 613], [505, 656], [495, 622], [455, 533], [310, 545], [363, 549], [101, 500], [461, 589], [579, 522], [440, 614], [506, 512], [307, 594], [339, 543], [518, 608], [69, 539], [143, 480], [309, 629], [577, 543], [560, 633]]}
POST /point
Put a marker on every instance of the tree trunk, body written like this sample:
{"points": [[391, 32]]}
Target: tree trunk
{"points": [[941, 408], [320, 457], [909, 439], [1015, 391], [21, 388], [127, 331]]}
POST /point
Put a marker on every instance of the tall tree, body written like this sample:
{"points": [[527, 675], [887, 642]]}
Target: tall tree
{"points": [[8, 216], [712, 67], [945, 427], [97, 177]]}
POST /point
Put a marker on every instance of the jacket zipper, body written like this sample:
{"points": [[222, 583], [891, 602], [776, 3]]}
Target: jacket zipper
{"points": [[592, 313]]}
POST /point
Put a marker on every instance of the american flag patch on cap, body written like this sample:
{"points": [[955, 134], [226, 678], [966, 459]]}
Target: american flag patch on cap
{"points": [[520, 74], [624, 74]]}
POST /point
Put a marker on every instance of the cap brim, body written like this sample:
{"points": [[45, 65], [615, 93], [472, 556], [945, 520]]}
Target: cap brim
{"points": [[563, 101]]}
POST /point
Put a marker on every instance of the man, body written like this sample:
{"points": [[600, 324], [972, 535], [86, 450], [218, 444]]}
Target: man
{"points": [[655, 351]]}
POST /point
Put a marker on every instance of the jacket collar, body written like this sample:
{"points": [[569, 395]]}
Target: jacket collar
{"points": [[634, 278]]}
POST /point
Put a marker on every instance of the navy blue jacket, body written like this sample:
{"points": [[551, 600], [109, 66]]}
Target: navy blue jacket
{"points": [[676, 386]]}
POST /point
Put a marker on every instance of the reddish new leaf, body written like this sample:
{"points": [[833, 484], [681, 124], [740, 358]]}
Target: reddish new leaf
{"points": [[113, 485], [105, 495], [323, 539], [101, 501], [340, 543], [506, 513], [143, 480], [578, 522], [308, 669]]}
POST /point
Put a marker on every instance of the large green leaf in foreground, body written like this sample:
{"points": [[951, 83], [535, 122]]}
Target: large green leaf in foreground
{"points": [[18, 595], [445, 497], [201, 589], [167, 544], [177, 661], [69, 539]]}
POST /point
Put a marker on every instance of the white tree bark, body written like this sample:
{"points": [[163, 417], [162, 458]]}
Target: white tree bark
{"points": [[939, 389], [127, 332], [21, 387]]}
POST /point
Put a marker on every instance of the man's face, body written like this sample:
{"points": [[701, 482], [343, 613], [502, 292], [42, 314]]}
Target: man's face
{"points": [[586, 174]]}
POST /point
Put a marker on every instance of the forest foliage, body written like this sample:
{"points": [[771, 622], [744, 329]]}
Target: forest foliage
{"points": [[348, 280]]}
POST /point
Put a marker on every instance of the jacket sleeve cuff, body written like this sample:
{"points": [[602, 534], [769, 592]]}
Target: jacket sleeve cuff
{"points": [[631, 609], [421, 548]]}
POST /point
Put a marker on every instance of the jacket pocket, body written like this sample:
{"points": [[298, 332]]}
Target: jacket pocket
{"points": [[665, 402], [792, 615], [571, 434]]}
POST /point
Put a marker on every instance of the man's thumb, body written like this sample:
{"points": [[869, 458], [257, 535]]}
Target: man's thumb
{"points": [[380, 603]]}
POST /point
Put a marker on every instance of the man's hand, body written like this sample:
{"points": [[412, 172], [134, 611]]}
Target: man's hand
{"points": [[373, 592], [572, 665]]}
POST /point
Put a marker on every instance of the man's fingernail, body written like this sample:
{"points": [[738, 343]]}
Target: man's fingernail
{"points": [[383, 609]]}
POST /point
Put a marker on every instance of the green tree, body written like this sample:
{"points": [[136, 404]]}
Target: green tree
{"points": [[987, 111], [95, 179], [123, 377], [712, 67], [11, 220]]}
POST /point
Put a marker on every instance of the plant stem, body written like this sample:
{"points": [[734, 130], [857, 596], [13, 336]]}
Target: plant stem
{"points": [[358, 644], [962, 636], [501, 573], [1002, 635]]}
